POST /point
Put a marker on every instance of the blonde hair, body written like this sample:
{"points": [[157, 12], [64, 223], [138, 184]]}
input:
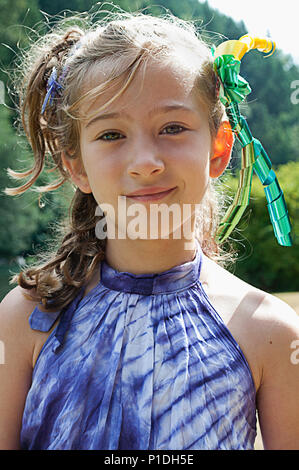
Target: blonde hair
{"points": [[119, 45]]}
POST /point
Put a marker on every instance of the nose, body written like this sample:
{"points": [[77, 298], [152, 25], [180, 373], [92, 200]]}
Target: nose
{"points": [[145, 159]]}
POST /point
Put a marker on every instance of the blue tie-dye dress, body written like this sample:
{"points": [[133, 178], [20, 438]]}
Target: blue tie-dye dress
{"points": [[141, 362]]}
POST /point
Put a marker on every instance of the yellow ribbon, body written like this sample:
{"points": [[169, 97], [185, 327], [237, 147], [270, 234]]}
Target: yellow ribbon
{"points": [[238, 48]]}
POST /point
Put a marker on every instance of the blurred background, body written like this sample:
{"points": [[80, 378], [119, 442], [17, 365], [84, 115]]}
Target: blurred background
{"points": [[272, 111]]}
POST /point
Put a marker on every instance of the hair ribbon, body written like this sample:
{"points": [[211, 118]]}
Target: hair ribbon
{"points": [[233, 90], [53, 86]]}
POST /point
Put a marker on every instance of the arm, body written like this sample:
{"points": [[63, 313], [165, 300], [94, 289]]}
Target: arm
{"points": [[17, 348], [278, 394]]}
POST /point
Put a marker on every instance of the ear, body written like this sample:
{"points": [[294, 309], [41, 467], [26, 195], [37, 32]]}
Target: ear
{"points": [[77, 172], [222, 149]]}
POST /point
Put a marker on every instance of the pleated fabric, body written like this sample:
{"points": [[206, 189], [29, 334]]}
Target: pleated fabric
{"points": [[141, 362]]}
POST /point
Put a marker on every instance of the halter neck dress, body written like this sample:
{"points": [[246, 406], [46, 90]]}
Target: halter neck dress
{"points": [[141, 362]]}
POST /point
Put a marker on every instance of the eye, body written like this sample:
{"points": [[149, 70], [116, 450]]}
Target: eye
{"points": [[110, 136], [173, 129]]}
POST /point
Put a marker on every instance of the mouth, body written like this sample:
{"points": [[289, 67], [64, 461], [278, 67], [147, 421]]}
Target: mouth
{"points": [[152, 197]]}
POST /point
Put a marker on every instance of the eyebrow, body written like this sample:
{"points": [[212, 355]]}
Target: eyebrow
{"points": [[158, 110]]}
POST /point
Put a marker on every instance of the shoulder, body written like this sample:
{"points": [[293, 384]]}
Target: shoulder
{"points": [[278, 323], [277, 330], [16, 307], [272, 318], [265, 326], [17, 343], [15, 331], [262, 307]]}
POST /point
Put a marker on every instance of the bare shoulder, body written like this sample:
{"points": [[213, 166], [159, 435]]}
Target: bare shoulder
{"points": [[265, 310], [278, 325], [15, 331], [247, 301], [264, 326], [16, 307], [17, 297], [17, 347]]}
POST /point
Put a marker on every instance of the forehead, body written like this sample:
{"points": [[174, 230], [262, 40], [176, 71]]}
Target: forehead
{"points": [[155, 83]]}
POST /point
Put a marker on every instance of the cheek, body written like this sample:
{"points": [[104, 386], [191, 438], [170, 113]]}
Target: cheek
{"points": [[199, 179], [104, 178], [196, 168], [105, 181]]}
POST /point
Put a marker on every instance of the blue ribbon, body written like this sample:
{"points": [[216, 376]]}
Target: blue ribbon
{"points": [[52, 89]]}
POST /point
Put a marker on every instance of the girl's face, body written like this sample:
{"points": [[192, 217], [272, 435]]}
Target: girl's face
{"points": [[155, 135]]}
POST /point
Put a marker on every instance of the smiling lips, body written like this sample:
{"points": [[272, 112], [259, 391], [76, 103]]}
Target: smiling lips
{"points": [[150, 194]]}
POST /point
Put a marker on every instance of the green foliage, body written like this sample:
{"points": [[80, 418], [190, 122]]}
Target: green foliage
{"points": [[17, 18], [18, 216], [262, 261], [24, 224]]}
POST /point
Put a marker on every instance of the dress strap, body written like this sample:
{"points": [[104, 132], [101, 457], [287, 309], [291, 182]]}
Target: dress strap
{"points": [[43, 321], [67, 314]]}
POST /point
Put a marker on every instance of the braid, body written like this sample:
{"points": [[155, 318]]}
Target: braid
{"points": [[61, 275], [31, 88]]}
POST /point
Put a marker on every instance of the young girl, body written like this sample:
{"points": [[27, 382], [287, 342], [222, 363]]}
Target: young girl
{"points": [[127, 342]]}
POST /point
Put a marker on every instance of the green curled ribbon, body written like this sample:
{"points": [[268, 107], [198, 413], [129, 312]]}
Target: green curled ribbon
{"points": [[234, 87], [232, 91]]}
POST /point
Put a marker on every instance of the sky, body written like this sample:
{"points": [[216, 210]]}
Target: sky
{"points": [[279, 18]]}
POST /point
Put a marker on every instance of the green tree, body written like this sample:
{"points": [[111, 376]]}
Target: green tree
{"points": [[19, 216], [17, 20]]}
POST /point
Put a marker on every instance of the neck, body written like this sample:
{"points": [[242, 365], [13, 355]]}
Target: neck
{"points": [[148, 256]]}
